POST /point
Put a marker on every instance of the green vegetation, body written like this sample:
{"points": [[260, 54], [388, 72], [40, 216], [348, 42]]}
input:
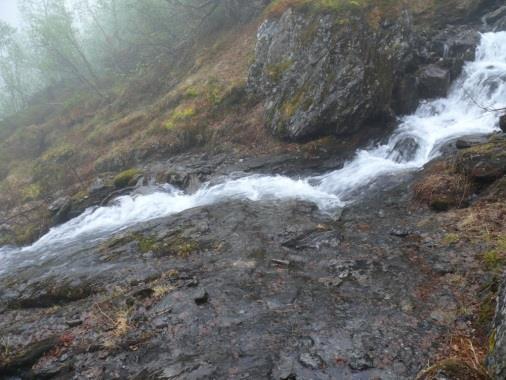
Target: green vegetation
{"points": [[277, 7], [451, 238], [300, 101], [173, 245], [133, 78], [181, 114], [276, 71], [495, 259], [126, 177], [146, 243]]}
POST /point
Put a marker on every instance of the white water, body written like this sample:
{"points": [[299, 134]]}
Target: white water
{"points": [[434, 124]]}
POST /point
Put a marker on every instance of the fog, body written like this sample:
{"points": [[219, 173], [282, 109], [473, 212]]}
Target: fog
{"points": [[9, 12], [84, 45]]}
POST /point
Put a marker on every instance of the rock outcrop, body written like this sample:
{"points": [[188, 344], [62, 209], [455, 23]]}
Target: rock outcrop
{"points": [[485, 163], [327, 74], [502, 123], [496, 20], [497, 359], [434, 81]]}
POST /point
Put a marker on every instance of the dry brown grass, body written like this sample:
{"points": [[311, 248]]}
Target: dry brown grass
{"points": [[443, 187]]}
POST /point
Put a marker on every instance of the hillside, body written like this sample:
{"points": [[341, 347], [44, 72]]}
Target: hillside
{"points": [[68, 137]]}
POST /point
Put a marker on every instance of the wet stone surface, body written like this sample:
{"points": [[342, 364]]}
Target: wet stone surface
{"points": [[269, 290]]}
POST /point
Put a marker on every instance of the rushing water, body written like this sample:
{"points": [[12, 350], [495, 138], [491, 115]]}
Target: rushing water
{"points": [[417, 140]]}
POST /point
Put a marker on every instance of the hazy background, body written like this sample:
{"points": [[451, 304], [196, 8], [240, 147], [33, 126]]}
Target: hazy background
{"points": [[9, 12]]}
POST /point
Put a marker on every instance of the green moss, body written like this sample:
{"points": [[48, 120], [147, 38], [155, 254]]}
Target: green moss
{"points": [[494, 260], [79, 196], [183, 113], [492, 341], [192, 92], [26, 234], [175, 245], [215, 92], [299, 102], [146, 243], [487, 312], [276, 71], [310, 32], [494, 149], [187, 247], [179, 115], [31, 192], [450, 239], [169, 125], [59, 153], [125, 178], [277, 7]]}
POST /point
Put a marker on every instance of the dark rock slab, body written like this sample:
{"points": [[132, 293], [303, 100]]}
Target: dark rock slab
{"points": [[353, 301], [434, 82], [27, 356]]}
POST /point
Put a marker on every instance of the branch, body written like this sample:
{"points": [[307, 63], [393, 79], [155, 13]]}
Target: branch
{"points": [[485, 108]]}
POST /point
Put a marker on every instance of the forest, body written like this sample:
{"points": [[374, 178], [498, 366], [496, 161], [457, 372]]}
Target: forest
{"points": [[94, 43]]}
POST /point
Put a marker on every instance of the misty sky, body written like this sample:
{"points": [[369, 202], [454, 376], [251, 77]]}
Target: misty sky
{"points": [[9, 12]]}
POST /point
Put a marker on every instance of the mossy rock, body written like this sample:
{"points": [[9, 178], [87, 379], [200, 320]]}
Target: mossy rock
{"points": [[452, 369], [127, 178], [276, 71], [175, 245]]}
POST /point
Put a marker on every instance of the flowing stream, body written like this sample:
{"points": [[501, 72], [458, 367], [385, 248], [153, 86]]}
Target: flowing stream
{"points": [[417, 140]]}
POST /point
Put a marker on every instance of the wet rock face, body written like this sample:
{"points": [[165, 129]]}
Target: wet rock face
{"points": [[502, 123], [434, 82], [265, 290], [497, 360], [319, 76], [405, 150], [496, 20]]}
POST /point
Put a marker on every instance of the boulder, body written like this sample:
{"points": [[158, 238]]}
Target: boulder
{"points": [[464, 44], [484, 163], [320, 77], [405, 97], [322, 73], [58, 204], [434, 81], [470, 141], [404, 150], [502, 123], [97, 186], [60, 210]]}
